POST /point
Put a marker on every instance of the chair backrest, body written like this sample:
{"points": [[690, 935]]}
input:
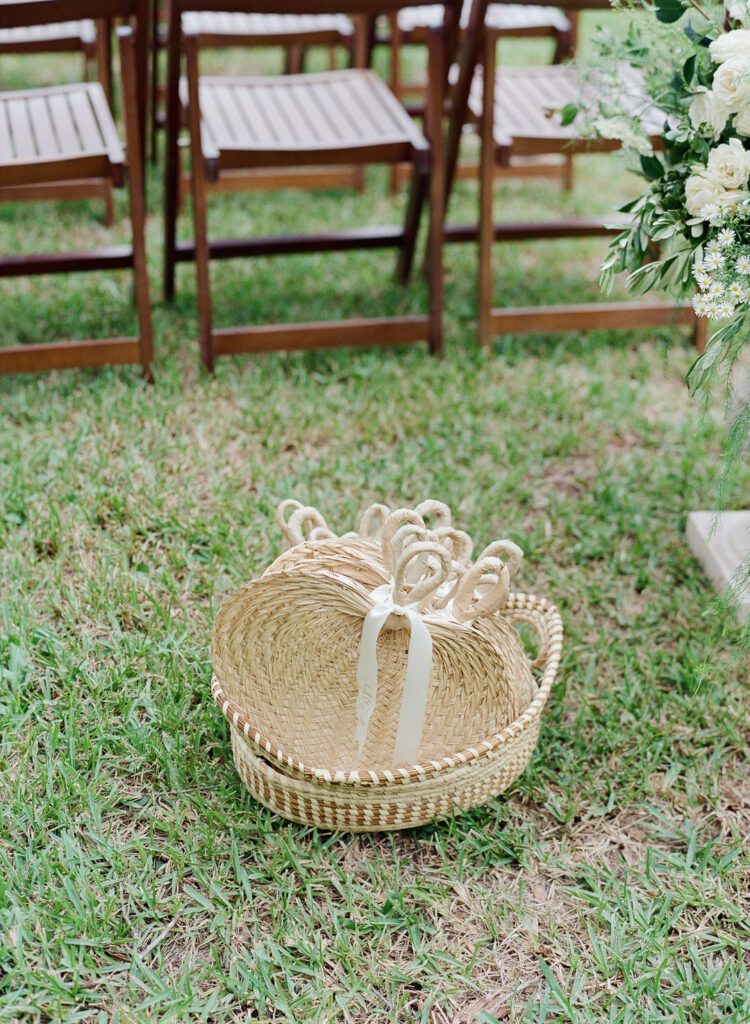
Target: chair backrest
{"points": [[566, 5], [48, 12], [353, 7], [364, 13]]}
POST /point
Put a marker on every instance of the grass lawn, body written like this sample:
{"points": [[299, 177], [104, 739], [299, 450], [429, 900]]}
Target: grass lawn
{"points": [[140, 881]]}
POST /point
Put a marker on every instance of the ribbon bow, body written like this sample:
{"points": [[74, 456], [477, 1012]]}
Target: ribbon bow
{"points": [[420, 567], [430, 576]]}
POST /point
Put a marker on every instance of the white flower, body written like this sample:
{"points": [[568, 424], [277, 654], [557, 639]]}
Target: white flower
{"points": [[703, 280], [714, 261], [629, 134], [742, 266], [712, 212], [701, 190], [737, 10], [731, 198], [742, 121], [715, 290], [729, 163], [712, 310], [731, 44], [731, 83], [699, 305], [706, 109], [725, 237], [725, 310], [737, 291], [713, 246]]}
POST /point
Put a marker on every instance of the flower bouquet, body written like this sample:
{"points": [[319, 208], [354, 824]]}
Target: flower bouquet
{"points": [[689, 229]]}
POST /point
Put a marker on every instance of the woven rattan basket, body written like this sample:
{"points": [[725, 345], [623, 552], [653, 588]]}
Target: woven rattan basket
{"points": [[285, 661]]}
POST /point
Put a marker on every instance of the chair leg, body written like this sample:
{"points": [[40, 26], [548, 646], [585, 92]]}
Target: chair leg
{"points": [[435, 240], [198, 182], [563, 47], [137, 204], [154, 83], [104, 58], [568, 174], [395, 83], [700, 333], [417, 195], [295, 58], [171, 155], [109, 204], [202, 262], [486, 189]]}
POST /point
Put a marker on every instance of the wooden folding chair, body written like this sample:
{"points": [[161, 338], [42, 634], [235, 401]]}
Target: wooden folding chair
{"points": [[348, 117], [515, 110], [512, 20], [294, 34], [67, 134], [91, 39], [505, 21]]}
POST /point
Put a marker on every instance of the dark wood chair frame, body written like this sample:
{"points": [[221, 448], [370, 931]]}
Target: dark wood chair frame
{"points": [[481, 47], [99, 52], [428, 178], [134, 67]]}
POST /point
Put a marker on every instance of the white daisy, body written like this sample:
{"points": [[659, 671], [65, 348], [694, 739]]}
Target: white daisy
{"points": [[715, 290], [703, 280], [714, 245], [726, 237], [737, 291], [711, 211], [742, 266], [726, 309], [714, 261], [699, 305]]}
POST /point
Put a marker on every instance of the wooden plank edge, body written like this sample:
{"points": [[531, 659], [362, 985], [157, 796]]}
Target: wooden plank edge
{"points": [[67, 355], [356, 333], [589, 317]]}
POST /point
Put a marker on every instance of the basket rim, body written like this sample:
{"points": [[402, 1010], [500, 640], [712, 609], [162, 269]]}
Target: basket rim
{"points": [[267, 748]]}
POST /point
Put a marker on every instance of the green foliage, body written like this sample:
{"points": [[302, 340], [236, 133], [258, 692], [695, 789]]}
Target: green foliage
{"points": [[664, 240]]}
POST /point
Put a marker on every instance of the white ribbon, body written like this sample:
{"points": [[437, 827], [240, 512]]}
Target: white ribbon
{"points": [[416, 684]]}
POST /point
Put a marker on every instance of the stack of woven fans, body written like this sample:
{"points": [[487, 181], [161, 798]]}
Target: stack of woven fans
{"points": [[376, 680]]}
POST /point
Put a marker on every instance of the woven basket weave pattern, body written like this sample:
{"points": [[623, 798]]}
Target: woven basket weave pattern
{"points": [[285, 661]]}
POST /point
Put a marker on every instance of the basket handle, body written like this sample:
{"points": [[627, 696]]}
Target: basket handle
{"points": [[305, 523], [540, 621], [506, 550], [394, 522], [288, 505], [437, 511], [482, 590], [372, 521], [420, 570], [458, 543]]}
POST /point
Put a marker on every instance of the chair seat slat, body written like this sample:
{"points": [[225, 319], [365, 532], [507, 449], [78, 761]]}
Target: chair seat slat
{"points": [[527, 101], [328, 111], [58, 122]]}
